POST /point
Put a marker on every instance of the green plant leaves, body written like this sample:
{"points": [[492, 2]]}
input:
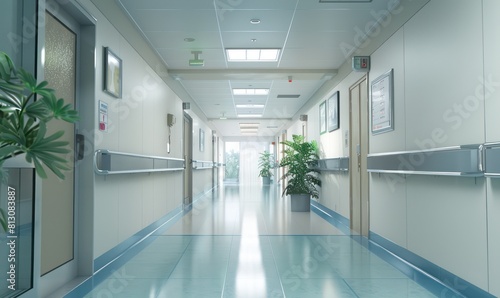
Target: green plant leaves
{"points": [[23, 120], [300, 159], [7, 68], [266, 163], [59, 109], [3, 220], [46, 150]]}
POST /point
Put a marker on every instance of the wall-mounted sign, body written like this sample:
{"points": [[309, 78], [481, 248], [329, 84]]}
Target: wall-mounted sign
{"points": [[382, 103], [103, 116]]}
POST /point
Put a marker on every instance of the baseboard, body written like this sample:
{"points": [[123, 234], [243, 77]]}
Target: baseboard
{"points": [[336, 219], [107, 264], [119, 249], [435, 279], [445, 277]]}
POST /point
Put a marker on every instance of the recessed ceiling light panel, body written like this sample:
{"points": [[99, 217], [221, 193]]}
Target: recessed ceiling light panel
{"points": [[249, 125], [252, 55], [250, 106], [249, 115], [251, 91]]}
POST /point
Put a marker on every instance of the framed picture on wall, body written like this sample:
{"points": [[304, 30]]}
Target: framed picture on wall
{"points": [[322, 117], [333, 111], [202, 140], [382, 103], [112, 73]]}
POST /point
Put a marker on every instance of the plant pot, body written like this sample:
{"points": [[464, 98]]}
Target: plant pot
{"points": [[266, 180], [300, 202]]}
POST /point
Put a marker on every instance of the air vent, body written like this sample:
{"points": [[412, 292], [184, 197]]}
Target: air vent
{"points": [[288, 95]]}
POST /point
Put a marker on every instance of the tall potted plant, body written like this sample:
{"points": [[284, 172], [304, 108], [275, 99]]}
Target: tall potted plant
{"points": [[266, 164], [23, 119], [300, 159]]}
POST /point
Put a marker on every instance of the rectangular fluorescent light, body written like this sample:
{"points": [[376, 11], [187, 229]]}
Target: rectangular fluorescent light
{"points": [[250, 106], [252, 55], [249, 129], [249, 125], [251, 91], [249, 115]]}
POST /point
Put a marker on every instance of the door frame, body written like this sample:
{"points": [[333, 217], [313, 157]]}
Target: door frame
{"points": [[82, 264], [187, 141], [215, 160], [358, 174]]}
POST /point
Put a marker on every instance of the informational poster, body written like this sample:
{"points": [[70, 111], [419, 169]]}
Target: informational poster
{"points": [[333, 111], [322, 117], [382, 103], [103, 116]]}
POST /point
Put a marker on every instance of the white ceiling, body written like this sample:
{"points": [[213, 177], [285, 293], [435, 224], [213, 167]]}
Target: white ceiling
{"points": [[313, 37]]}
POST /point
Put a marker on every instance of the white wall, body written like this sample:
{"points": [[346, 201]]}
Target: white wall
{"points": [[125, 204], [446, 80], [430, 91]]}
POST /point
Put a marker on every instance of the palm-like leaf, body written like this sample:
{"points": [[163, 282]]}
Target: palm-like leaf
{"points": [[266, 163], [23, 120], [3, 219], [301, 158]]}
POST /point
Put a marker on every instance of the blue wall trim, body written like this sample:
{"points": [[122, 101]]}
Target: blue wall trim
{"points": [[340, 222], [120, 255], [108, 263], [432, 277], [116, 251], [447, 278]]}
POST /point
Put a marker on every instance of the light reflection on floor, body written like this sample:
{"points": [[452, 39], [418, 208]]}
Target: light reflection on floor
{"points": [[242, 241]]}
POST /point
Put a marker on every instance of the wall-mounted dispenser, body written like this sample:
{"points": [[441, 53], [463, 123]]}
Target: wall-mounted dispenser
{"points": [[170, 122]]}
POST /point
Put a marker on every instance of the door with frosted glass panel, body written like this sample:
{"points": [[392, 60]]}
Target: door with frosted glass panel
{"points": [[57, 222]]}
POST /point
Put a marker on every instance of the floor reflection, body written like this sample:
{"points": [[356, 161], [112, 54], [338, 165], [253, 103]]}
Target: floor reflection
{"points": [[244, 241]]}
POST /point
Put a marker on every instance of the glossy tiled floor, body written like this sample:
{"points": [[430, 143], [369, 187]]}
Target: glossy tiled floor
{"points": [[244, 242]]}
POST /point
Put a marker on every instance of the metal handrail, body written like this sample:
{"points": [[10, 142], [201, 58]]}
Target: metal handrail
{"points": [[204, 164], [336, 164], [103, 163], [465, 160]]}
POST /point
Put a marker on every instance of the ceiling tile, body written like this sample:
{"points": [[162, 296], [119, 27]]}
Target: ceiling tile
{"points": [[176, 20], [243, 40], [175, 39], [271, 21], [170, 4], [313, 37]]}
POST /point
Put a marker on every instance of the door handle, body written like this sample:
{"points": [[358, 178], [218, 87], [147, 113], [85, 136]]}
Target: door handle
{"points": [[80, 146], [358, 153]]}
